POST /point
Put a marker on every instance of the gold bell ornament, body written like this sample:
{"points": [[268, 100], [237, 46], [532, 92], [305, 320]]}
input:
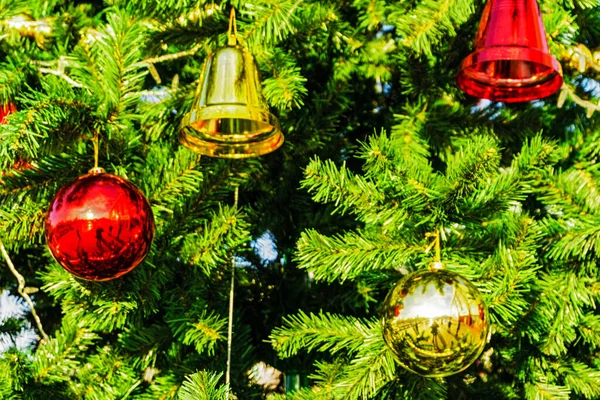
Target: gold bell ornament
{"points": [[230, 117], [435, 321]]}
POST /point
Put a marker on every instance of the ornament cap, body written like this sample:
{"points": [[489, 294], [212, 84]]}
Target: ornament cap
{"points": [[96, 171], [232, 31], [436, 266]]}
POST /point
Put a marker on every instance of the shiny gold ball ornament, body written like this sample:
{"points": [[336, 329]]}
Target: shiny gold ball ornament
{"points": [[230, 117], [435, 322]]}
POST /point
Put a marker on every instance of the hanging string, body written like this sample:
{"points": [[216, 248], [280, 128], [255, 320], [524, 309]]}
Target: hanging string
{"points": [[438, 247], [436, 243], [95, 149], [232, 31], [231, 294]]}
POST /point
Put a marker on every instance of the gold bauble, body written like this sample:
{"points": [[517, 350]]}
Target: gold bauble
{"points": [[435, 322]]}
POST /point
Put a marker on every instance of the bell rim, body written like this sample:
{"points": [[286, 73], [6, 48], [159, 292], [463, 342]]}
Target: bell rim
{"points": [[222, 145], [510, 94], [233, 150]]}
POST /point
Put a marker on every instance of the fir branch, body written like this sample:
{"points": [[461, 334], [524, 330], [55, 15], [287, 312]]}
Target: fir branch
{"points": [[513, 184], [57, 360], [22, 226], [203, 385], [178, 174], [12, 76], [105, 373], [406, 135], [11, 8], [544, 391], [203, 332], [347, 256], [372, 367], [226, 230], [372, 13], [272, 21], [35, 182], [582, 379], [329, 183], [422, 388], [108, 306], [580, 242], [557, 314], [161, 11], [286, 89], [399, 163], [430, 22], [112, 70], [513, 270], [325, 376], [51, 121], [561, 196], [589, 330], [164, 387], [582, 186], [104, 314], [472, 165], [375, 59], [322, 332]]}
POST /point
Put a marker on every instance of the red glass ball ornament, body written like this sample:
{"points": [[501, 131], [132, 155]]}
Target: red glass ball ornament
{"points": [[99, 227], [511, 62]]}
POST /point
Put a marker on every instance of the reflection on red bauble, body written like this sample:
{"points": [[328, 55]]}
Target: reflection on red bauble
{"points": [[99, 227], [6, 110]]}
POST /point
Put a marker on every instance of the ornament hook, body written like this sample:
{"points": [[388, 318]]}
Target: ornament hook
{"points": [[97, 169], [232, 31], [435, 243], [96, 145]]}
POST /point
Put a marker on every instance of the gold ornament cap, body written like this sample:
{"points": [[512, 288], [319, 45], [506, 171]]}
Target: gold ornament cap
{"points": [[96, 171], [230, 117], [435, 322]]}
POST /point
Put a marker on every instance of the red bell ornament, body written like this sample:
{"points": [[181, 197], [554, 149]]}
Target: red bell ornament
{"points": [[99, 227], [511, 62]]}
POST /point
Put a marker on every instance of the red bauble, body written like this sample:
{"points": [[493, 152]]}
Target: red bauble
{"points": [[99, 227], [6, 110]]}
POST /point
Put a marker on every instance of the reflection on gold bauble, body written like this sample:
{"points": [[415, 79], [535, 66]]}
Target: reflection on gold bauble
{"points": [[435, 322]]}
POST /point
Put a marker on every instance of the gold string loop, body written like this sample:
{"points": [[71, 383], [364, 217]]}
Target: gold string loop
{"points": [[96, 150], [437, 244], [232, 31]]}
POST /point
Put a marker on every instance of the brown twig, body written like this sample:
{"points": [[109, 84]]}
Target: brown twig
{"points": [[22, 291]]}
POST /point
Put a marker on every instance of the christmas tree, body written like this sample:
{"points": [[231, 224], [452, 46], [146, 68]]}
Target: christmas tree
{"points": [[286, 259]]}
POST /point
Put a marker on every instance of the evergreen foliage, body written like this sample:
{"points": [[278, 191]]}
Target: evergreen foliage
{"points": [[381, 149]]}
